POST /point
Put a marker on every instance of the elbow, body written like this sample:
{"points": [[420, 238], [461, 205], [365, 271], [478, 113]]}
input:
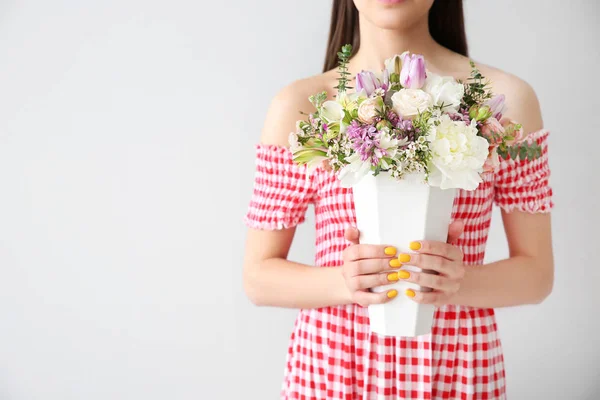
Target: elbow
{"points": [[251, 286], [545, 286]]}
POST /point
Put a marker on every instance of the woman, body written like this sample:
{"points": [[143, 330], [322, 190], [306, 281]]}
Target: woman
{"points": [[333, 354]]}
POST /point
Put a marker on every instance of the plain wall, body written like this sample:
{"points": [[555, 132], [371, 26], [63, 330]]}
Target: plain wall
{"points": [[126, 165]]}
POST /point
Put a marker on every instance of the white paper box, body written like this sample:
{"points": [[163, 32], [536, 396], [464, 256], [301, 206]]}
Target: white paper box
{"points": [[396, 212]]}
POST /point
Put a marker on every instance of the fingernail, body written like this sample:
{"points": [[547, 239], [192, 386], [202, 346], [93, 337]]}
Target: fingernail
{"points": [[395, 263], [410, 293], [404, 258], [403, 274], [390, 251], [415, 246], [392, 293], [392, 277]]}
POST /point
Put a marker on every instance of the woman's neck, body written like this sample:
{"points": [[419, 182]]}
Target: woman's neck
{"points": [[377, 44]]}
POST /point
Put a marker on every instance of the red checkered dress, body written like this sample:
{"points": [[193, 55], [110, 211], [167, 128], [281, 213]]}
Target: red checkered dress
{"points": [[332, 353]]}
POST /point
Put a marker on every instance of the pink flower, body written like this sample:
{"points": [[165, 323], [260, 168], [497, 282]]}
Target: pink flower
{"points": [[513, 129], [412, 75], [493, 160], [493, 131], [370, 109], [496, 105], [367, 81]]}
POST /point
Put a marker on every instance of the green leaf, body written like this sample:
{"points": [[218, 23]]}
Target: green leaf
{"points": [[523, 152], [318, 99], [343, 58], [304, 156]]}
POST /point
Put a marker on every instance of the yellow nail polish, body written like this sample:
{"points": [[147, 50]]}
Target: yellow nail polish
{"points": [[392, 277], [403, 274], [410, 293], [395, 263], [390, 251], [392, 293], [415, 246], [404, 258]]}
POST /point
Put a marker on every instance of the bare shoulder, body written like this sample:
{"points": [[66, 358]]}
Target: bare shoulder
{"points": [[289, 104], [522, 103]]}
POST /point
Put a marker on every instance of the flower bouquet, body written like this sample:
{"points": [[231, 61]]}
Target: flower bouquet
{"points": [[404, 141]]}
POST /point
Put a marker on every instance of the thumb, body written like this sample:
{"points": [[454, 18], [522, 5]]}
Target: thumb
{"points": [[455, 229], [352, 234]]}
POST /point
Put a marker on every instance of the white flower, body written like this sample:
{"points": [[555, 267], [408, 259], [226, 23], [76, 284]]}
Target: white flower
{"points": [[394, 64], [379, 92], [408, 103], [369, 109], [349, 101], [444, 90], [293, 140], [354, 171], [332, 111], [390, 144], [458, 154]]}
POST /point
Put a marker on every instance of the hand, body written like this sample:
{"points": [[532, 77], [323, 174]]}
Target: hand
{"points": [[363, 267], [445, 260]]}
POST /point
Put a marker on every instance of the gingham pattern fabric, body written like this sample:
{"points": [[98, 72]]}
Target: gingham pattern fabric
{"points": [[332, 353]]}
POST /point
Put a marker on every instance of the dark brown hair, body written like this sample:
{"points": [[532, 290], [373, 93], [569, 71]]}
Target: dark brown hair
{"points": [[446, 25]]}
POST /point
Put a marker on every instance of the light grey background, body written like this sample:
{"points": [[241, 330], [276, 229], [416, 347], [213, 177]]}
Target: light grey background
{"points": [[126, 163]]}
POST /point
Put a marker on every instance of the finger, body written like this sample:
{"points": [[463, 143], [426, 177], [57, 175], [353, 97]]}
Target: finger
{"points": [[352, 234], [365, 298], [440, 249], [418, 296], [455, 229], [365, 251], [433, 281], [372, 266], [363, 282], [434, 263]]}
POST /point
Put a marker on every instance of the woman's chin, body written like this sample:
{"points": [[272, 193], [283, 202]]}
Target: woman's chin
{"points": [[393, 15], [391, 21]]}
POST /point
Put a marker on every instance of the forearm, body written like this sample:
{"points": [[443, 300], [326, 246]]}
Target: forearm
{"points": [[282, 283], [511, 282]]}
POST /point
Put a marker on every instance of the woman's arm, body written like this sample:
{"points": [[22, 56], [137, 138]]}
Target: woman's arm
{"points": [[524, 278], [271, 280]]}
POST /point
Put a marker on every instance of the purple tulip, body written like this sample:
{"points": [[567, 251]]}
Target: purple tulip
{"points": [[412, 75], [367, 81], [496, 105]]}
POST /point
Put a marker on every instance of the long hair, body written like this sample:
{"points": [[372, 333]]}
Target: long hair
{"points": [[446, 25]]}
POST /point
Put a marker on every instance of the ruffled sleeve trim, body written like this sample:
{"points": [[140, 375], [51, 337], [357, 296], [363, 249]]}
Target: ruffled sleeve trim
{"points": [[523, 185], [282, 190]]}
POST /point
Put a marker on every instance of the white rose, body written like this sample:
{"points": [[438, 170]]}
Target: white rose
{"points": [[409, 103], [444, 90], [332, 111], [458, 154], [369, 109]]}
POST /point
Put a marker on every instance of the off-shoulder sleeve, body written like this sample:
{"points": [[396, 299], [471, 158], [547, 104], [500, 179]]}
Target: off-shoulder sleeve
{"points": [[523, 185], [282, 190]]}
